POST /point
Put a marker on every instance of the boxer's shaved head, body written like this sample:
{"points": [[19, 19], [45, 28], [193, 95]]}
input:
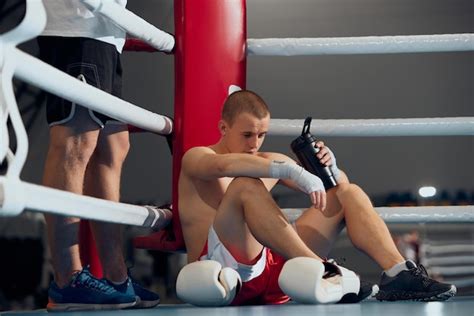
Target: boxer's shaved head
{"points": [[244, 101]]}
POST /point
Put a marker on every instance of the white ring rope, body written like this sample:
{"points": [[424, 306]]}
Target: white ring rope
{"points": [[449, 260], [413, 214], [133, 24], [464, 282], [427, 214], [447, 126], [16, 195], [360, 45], [447, 249], [449, 271]]}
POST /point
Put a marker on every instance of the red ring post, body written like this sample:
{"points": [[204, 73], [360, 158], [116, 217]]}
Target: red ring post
{"points": [[210, 56]]}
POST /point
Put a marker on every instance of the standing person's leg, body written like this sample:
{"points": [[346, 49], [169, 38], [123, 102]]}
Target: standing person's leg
{"points": [[73, 138], [69, 152], [74, 134], [103, 181], [105, 168], [74, 288]]}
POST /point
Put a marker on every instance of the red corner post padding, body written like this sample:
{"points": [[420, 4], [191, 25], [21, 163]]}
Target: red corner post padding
{"points": [[209, 57]]}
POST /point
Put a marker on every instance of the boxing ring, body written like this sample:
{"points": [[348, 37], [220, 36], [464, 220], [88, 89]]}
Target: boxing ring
{"points": [[197, 106]]}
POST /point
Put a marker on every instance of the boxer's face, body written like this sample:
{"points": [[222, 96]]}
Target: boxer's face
{"points": [[246, 134]]}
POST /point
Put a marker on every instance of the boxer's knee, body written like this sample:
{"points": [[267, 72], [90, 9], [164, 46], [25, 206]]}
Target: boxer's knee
{"points": [[245, 187], [345, 190], [353, 199]]}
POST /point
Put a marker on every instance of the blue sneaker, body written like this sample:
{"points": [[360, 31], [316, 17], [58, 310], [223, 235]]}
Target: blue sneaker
{"points": [[85, 292], [145, 298]]}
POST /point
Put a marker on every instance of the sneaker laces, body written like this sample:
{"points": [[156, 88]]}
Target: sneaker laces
{"points": [[420, 272], [89, 281]]}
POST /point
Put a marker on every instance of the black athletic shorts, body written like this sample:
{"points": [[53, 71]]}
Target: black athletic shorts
{"points": [[89, 60]]}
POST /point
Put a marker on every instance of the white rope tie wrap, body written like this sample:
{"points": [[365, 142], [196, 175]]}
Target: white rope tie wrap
{"points": [[360, 45], [132, 24], [446, 126]]}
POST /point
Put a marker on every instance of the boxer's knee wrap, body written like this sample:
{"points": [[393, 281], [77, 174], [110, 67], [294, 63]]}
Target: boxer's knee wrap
{"points": [[304, 280], [205, 283]]}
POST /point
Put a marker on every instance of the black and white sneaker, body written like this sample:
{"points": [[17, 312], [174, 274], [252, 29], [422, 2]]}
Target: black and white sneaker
{"points": [[413, 284]]}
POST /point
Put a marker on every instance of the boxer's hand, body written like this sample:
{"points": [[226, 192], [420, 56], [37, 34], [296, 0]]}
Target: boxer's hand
{"points": [[323, 154], [306, 181], [318, 199], [327, 158]]}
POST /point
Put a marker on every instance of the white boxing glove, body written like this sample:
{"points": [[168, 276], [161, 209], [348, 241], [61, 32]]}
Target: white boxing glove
{"points": [[310, 281], [205, 283], [305, 180]]}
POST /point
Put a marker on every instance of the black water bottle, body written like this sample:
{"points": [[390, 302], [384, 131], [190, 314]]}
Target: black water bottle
{"points": [[305, 149]]}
